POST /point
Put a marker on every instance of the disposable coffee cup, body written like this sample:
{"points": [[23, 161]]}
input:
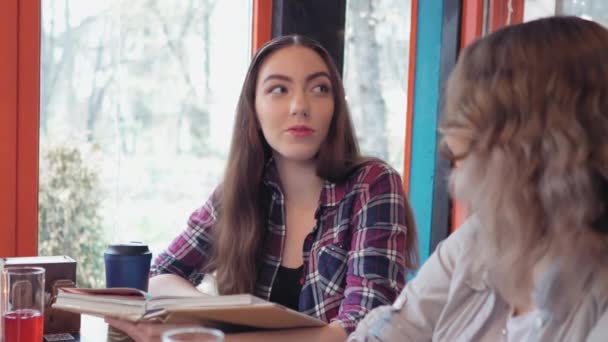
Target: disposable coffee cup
{"points": [[128, 265]]}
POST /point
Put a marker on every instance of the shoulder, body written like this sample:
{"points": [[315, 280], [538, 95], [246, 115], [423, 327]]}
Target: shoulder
{"points": [[458, 257], [207, 214], [599, 293], [374, 172], [371, 181], [458, 248], [600, 330], [594, 310], [464, 237]]}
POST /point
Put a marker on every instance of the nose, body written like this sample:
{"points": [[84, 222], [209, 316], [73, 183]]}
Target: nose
{"points": [[299, 104]]}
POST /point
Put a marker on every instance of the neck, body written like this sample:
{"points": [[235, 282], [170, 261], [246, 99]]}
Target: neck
{"points": [[522, 309], [538, 272], [299, 180]]}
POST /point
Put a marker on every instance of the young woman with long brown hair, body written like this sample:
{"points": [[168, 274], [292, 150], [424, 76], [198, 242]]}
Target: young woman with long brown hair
{"points": [[301, 218], [526, 119]]}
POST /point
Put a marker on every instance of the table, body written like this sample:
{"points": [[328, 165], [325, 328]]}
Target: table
{"points": [[94, 329]]}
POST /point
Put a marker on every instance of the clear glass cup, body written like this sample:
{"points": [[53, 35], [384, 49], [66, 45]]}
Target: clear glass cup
{"points": [[22, 304], [193, 334]]}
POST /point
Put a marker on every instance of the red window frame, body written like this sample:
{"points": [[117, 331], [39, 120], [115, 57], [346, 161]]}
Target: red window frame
{"points": [[19, 125], [262, 23], [409, 114]]}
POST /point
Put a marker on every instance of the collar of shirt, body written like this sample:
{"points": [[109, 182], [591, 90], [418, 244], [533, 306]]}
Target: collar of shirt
{"points": [[331, 194]]}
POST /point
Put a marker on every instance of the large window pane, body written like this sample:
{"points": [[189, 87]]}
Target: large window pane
{"points": [[137, 102], [596, 10], [375, 74]]}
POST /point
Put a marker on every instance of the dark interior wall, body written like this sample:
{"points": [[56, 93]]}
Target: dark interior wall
{"points": [[450, 47], [322, 20]]}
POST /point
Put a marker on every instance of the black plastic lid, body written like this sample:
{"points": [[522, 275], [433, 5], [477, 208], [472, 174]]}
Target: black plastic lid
{"points": [[127, 248]]}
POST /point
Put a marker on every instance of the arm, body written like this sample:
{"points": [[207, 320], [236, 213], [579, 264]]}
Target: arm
{"points": [[376, 258], [171, 284], [176, 270], [414, 315]]}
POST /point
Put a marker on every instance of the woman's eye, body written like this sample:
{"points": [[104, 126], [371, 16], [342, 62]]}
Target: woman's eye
{"points": [[321, 88], [277, 90]]}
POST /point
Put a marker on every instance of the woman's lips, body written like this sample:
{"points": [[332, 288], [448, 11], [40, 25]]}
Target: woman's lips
{"points": [[300, 131]]}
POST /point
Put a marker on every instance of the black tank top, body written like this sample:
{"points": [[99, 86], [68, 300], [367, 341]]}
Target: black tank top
{"points": [[287, 286]]}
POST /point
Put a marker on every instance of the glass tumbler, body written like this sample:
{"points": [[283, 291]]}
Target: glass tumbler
{"points": [[22, 304], [193, 334]]}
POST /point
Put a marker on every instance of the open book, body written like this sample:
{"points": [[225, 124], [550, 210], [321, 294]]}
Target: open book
{"points": [[135, 305]]}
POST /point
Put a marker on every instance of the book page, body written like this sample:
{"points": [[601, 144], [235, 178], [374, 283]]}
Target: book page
{"points": [[115, 291], [203, 301]]}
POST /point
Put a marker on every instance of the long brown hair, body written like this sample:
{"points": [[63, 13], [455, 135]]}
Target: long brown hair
{"points": [[244, 201], [530, 105]]}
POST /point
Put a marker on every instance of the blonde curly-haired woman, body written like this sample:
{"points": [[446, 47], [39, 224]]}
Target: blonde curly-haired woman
{"points": [[526, 119]]}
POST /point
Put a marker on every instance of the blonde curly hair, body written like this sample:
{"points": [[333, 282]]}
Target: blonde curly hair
{"points": [[529, 103]]}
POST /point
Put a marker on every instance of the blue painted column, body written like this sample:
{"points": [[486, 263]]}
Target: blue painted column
{"points": [[425, 117]]}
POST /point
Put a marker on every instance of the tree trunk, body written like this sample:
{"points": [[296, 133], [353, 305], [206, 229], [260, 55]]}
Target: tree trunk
{"points": [[365, 98]]}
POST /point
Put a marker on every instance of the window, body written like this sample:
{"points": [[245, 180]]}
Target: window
{"points": [[596, 10], [376, 54], [137, 102]]}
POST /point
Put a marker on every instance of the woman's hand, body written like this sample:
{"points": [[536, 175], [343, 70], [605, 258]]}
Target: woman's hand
{"points": [[143, 331]]}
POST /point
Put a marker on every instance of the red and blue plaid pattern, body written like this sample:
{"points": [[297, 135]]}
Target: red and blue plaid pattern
{"points": [[354, 259]]}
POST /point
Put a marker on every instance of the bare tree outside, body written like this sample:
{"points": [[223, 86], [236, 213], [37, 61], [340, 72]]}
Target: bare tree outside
{"points": [[375, 74], [151, 87], [365, 97], [596, 10]]}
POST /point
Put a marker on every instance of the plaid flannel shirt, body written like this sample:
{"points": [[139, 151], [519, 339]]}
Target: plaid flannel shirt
{"points": [[354, 259]]}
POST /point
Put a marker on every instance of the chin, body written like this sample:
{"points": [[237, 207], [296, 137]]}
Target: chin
{"points": [[299, 156]]}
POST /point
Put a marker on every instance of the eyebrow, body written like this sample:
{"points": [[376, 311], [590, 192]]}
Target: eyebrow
{"points": [[288, 79]]}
